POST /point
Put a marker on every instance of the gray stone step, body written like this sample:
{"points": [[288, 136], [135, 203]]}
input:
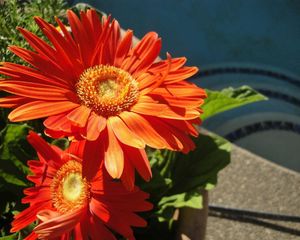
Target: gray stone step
{"points": [[251, 182]]}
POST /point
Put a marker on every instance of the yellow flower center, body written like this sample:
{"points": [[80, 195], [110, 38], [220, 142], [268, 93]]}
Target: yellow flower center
{"points": [[69, 191], [107, 90], [72, 186]]}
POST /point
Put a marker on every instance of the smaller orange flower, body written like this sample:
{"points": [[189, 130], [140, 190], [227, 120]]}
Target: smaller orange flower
{"points": [[68, 206]]}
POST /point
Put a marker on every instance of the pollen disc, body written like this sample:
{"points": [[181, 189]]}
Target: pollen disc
{"points": [[69, 191], [107, 90]]}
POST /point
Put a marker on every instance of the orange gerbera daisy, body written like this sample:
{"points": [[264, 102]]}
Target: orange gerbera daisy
{"points": [[68, 206], [92, 83]]}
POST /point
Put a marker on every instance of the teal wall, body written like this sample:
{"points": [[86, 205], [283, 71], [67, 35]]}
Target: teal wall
{"points": [[208, 32]]}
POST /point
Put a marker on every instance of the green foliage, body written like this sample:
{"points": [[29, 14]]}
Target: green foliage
{"points": [[62, 143], [10, 237], [14, 152], [229, 98], [14, 13], [168, 204], [6, 217]]}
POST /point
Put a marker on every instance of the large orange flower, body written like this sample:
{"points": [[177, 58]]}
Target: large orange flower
{"points": [[93, 84], [68, 206]]}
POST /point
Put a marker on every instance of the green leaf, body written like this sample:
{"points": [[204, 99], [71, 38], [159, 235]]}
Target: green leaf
{"points": [[10, 178], [10, 237], [168, 204], [229, 98], [200, 167], [14, 153], [62, 143], [14, 145], [187, 199]]}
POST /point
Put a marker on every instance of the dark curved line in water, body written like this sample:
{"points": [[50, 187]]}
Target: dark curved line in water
{"points": [[281, 96], [247, 70], [262, 126]]}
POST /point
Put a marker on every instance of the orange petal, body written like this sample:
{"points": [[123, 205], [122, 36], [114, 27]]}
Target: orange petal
{"points": [[124, 134], [31, 236], [59, 122], [80, 36], [98, 209], [67, 35], [160, 77], [43, 148], [173, 143], [79, 115], [58, 225], [181, 89], [111, 220], [140, 51], [97, 228], [76, 148], [37, 43], [80, 231], [13, 101], [179, 140], [162, 66], [28, 216], [40, 109], [128, 176], [181, 74], [35, 90], [96, 56], [27, 74], [148, 59], [141, 127], [147, 81], [114, 158], [93, 155], [46, 215], [43, 63], [37, 194], [123, 48], [184, 126], [54, 134], [95, 23], [94, 127], [153, 108], [113, 40], [68, 57], [139, 160]]}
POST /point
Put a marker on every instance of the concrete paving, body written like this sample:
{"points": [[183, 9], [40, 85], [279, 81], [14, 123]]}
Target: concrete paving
{"points": [[253, 183]]}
